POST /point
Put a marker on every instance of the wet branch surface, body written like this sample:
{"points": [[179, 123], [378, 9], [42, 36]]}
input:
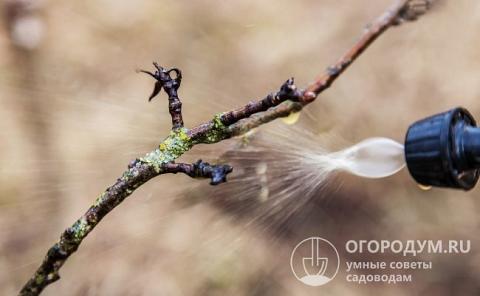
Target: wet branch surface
{"points": [[225, 125]]}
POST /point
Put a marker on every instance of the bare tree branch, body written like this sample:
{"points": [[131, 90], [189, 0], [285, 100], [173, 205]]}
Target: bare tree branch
{"points": [[223, 126]]}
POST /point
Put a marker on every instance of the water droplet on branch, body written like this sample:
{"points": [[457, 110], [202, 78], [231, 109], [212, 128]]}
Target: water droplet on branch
{"points": [[292, 118]]}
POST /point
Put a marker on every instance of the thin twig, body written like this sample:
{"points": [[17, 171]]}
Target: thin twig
{"points": [[223, 126], [171, 86]]}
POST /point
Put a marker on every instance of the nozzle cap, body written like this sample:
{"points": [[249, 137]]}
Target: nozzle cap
{"points": [[431, 150]]}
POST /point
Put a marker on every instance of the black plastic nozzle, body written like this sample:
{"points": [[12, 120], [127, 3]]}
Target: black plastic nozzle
{"points": [[444, 150]]}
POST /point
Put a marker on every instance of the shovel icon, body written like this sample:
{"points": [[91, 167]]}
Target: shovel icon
{"points": [[315, 265]]}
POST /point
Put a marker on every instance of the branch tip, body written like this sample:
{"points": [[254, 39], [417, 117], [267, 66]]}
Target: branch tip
{"points": [[200, 169], [413, 9], [217, 173], [165, 81]]}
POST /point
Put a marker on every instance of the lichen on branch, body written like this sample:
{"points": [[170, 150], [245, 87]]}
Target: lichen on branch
{"points": [[171, 148]]}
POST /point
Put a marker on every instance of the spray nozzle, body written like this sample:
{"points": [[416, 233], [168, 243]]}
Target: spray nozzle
{"points": [[444, 150]]}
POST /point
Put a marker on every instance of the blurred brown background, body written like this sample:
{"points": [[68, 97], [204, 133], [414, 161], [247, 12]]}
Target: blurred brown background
{"points": [[74, 113]]}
